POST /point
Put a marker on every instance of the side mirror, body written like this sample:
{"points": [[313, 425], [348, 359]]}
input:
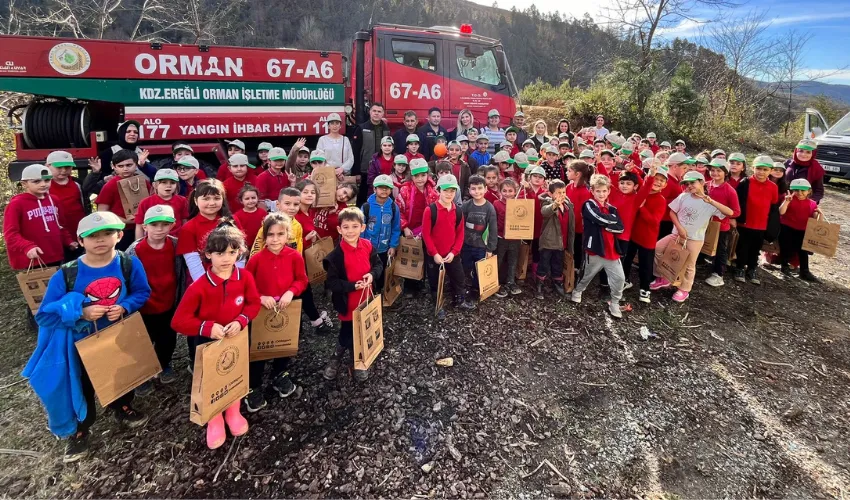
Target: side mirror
{"points": [[816, 131], [473, 51]]}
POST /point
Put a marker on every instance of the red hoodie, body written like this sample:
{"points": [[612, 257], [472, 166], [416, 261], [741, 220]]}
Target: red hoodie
{"points": [[578, 195], [647, 220], [31, 222], [627, 206], [671, 192]]}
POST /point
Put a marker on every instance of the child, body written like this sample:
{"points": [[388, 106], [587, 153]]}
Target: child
{"points": [[263, 153], [644, 235], [443, 232], [510, 137], [665, 146], [507, 251], [505, 164], [675, 171], [491, 178], [464, 153], [481, 232], [383, 224], [289, 203], [757, 197], [777, 176], [535, 188], [219, 306], [86, 295], [578, 173], [460, 169], [280, 274], [187, 170], [737, 169], [251, 215], [207, 207], [725, 194], [382, 161], [527, 145], [414, 196], [795, 212], [33, 226], [413, 148], [306, 212], [628, 200], [444, 168], [69, 194], [400, 175], [480, 154], [234, 147], [601, 223], [353, 268], [326, 218], [165, 186], [157, 251], [237, 180], [557, 234], [690, 212], [298, 161], [273, 180], [124, 165], [552, 166]]}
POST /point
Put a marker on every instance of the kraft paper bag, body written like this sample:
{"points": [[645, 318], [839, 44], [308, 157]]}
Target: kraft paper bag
{"points": [[410, 262], [523, 258], [770, 247], [368, 323], [274, 333], [441, 285], [392, 284], [314, 256], [519, 219], [119, 358], [132, 191], [325, 179], [569, 272], [220, 377], [821, 237], [33, 283], [712, 237], [487, 270], [672, 262], [733, 246]]}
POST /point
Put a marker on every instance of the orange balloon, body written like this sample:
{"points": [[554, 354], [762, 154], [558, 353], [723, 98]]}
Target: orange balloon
{"points": [[440, 150]]}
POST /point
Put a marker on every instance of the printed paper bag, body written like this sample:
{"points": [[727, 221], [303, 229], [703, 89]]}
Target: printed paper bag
{"points": [[770, 247], [569, 272], [522, 260], [519, 219], [325, 179], [733, 246], [132, 191], [410, 262], [220, 376], [712, 237], [368, 322], [33, 283], [119, 358], [392, 284], [487, 270], [441, 285], [314, 256], [274, 334], [821, 237], [672, 262]]}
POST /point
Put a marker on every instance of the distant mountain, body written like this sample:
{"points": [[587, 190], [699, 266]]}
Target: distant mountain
{"points": [[835, 92]]}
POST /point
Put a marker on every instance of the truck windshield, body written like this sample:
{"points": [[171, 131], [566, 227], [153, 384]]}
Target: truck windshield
{"points": [[842, 127], [481, 69]]}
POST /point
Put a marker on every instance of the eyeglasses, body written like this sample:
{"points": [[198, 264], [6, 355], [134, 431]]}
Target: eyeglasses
{"points": [[183, 169]]}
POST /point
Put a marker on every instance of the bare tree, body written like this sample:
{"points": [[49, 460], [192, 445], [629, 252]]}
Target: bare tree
{"points": [[789, 69], [209, 20]]}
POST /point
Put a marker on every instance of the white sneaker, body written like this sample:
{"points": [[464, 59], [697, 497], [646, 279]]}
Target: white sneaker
{"points": [[614, 309], [715, 280], [644, 296], [627, 285], [576, 297]]}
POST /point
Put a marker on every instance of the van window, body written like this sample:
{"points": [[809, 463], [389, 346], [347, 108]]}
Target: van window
{"points": [[481, 69], [419, 55]]}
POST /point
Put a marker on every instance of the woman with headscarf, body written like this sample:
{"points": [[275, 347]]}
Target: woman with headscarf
{"points": [[541, 135], [465, 121], [101, 166], [805, 166]]}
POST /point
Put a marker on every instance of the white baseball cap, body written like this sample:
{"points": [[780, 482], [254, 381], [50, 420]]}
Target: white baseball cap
{"points": [[60, 159]]}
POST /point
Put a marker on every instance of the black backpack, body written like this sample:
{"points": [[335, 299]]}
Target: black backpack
{"points": [[434, 215], [69, 271], [366, 210]]}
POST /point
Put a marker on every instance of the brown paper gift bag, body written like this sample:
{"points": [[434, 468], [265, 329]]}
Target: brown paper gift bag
{"points": [[119, 358], [821, 237], [569, 272], [522, 260], [314, 256], [392, 284], [325, 179], [733, 246], [770, 247], [411, 259], [487, 270], [519, 219], [368, 322], [672, 262], [441, 285], [220, 376], [33, 283], [274, 333], [712, 237], [132, 191]]}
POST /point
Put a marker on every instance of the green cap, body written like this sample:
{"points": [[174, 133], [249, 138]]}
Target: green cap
{"points": [[383, 181], [800, 185], [166, 174], [737, 157], [278, 154], [606, 152], [512, 129], [690, 161], [317, 155], [807, 145], [400, 160], [533, 159], [586, 154], [36, 172], [418, 166], [98, 221], [387, 140], [60, 159], [447, 182], [702, 159], [264, 146], [535, 170], [646, 153], [763, 161], [412, 138], [719, 163], [521, 160], [159, 213], [691, 177], [626, 150]]}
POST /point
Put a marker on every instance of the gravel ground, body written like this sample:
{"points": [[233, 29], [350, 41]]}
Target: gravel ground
{"points": [[743, 391]]}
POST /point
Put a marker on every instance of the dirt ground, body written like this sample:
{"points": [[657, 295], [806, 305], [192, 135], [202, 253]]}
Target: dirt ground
{"points": [[744, 392]]}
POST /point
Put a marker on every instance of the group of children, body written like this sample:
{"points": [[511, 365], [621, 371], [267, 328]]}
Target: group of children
{"points": [[195, 268]]}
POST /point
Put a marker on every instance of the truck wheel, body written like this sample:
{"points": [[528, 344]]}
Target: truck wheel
{"points": [[826, 179]]}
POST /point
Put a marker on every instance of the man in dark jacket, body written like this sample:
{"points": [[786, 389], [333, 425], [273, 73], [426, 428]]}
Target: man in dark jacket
{"points": [[429, 132], [400, 136], [374, 129]]}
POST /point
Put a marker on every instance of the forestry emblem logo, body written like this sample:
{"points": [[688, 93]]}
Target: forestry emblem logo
{"points": [[227, 360], [69, 59], [277, 322]]}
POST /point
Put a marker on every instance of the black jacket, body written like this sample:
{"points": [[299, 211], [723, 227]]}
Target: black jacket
{"points": [[595, 221], [337, 280]]}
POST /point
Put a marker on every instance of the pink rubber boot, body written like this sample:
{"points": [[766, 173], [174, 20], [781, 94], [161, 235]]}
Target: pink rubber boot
{"points": [[235, 421], [215, 432]]}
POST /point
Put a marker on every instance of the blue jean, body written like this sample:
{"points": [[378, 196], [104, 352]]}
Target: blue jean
{"points": [[469, 256]]}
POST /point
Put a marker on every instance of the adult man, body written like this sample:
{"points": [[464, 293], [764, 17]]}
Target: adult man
{"points": [[493, 132], [400, 136], [374, 129], [519, 122], [600, 129], [429, 132]]}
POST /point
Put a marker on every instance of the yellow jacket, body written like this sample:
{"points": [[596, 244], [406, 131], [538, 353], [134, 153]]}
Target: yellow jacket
{"points": [[294, 237]]}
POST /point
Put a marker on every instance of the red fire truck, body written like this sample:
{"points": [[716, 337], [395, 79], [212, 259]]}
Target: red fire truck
{"points": [[200, 94]]}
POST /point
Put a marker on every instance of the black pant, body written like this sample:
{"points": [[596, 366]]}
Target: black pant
{"points": [[507, 254], [551, 264], [91, 404], [665, 228], [749, 246], [346, 335], [578, 252], [379, 284], [645, 266], [469, 256], [535, 251], [790, 243], [308, 304], [454, 274], [162, 336], [722, 254]]}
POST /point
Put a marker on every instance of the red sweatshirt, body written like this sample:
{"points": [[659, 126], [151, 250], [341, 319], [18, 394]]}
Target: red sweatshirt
{"points": [[627, 206], [357, 263], [444, 238], [278, 274], [501, 207], [798, 213], [212, 300], [671, 192], [193, 235], [734, 182], [725, 194], [307, 225], [251, 222], [648, 219], [109, 194], [270, 184], [31, 222], [578, 195], [159, 267], [760, 196], [177, 202], [538, 215], [224, 173], [326, 221], [232, 186], [492, 195], [70, 202]]}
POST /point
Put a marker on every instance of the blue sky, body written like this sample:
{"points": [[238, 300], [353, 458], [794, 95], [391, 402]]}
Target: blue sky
{"points": [[828, 51]]}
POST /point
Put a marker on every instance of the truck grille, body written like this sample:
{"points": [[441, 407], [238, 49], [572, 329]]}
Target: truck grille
{"points": [[834, 154]]}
